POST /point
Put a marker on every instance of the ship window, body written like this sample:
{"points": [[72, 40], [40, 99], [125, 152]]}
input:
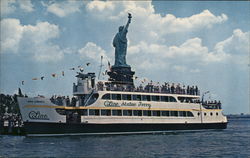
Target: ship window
{"points": [[127, 112], [155, 98], [181, 99], [137, 113], [190, 114], [182, 113], [205, 114], [119, 97], [198, 114], [94, 112], [93, 98], [116, 97], [126, 97], [173, 113], [146, 113], [105, 112], [117, 112], [164, 98], [84, 112], [211, 114], [217, 114], [172, 99], [129, 97], [106, 96], [165, 113], [156, 113], [146, 97], [137, 97]]}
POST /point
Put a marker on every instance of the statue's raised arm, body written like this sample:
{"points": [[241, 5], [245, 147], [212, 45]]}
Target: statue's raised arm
{"points": [[120, 44], [129, 21]]}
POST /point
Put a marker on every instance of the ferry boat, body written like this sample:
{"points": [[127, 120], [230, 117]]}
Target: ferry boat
{"points": [[117, 106], [112, 108]]}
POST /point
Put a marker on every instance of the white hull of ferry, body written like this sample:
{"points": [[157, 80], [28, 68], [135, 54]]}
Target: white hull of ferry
{"points": [[43, 118]]}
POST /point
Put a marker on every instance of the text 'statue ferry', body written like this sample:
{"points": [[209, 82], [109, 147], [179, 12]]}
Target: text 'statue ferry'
{"points": [[116, 106]]}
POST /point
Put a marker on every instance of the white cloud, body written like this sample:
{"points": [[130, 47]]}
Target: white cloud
{"points": [[33, 39], [65, 8], [191, 50], [192, 53], [26, 5], [148, 20], [10, 6], [238, 43], [11, 33], [100, 5], [92, 51], [7, 6], [238, 46]]}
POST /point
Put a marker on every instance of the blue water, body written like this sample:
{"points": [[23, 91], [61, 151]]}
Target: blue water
{"points": [[232, 142]]}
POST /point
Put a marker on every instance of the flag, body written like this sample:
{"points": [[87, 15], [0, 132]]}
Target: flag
{"points": [[72, 69], [62, 73], [22, 82], [20, 92], [81, 69], [109, 66], [87, 64], [42, 77], [53, 75], [34, 78]]}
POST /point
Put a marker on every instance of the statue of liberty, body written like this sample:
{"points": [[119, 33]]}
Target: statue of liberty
{"points": [[120, 44]]}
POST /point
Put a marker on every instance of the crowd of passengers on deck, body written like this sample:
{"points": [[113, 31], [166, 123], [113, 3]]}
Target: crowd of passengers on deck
{"points": [[62, 100], [150, 87]]}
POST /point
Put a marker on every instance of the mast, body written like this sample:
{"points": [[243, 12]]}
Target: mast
{"points": [[100, 68]]}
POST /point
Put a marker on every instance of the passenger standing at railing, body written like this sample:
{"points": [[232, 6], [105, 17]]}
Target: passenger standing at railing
{"points": [[177, 90], [140, 87], [183, 89], [172, 89], [168, 89], [67, 101], [188, 90], [73, 101], [192, 88], [196, 90]]}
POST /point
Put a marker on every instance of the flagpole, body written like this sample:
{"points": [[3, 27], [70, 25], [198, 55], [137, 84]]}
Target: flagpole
{"points": [[100, 68]]}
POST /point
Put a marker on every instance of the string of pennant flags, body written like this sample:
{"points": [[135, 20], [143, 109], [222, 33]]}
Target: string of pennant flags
{"points": [[62, 73], [81, 69]]}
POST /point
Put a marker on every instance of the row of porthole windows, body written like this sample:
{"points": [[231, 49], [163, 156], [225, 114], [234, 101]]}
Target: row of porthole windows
{"points": [[211, 114], [138, 97], [103, 112]]}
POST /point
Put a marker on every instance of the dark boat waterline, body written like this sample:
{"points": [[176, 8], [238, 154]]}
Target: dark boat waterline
{"points": [[62, 129]]}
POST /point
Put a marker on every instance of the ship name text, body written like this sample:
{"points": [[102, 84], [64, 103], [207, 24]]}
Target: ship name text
{"points": [[116, 104]]}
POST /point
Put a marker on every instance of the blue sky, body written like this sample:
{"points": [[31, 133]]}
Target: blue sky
{"points": [[192, 43]]}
